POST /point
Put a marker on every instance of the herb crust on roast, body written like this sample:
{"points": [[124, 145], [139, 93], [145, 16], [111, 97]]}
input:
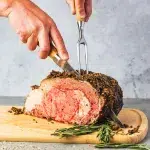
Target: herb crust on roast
{"points": [[68, 98]]}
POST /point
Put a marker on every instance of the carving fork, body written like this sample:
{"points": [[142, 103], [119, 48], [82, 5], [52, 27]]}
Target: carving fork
{"points": [[82, 41]]}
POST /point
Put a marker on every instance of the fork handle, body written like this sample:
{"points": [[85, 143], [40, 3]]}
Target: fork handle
{"points": [[78, 18]]}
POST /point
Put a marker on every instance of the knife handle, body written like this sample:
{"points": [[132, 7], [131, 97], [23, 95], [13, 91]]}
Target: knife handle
{"points": [[55, 57], [53, 52]]}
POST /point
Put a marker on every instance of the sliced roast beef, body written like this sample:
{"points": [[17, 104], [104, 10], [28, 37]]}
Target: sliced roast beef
{"points": [[68, 98]]}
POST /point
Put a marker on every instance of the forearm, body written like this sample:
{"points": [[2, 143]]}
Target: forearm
{"points": [[5, 7]]}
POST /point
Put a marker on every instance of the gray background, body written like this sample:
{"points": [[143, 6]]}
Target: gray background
{"points": [[118, 35]]}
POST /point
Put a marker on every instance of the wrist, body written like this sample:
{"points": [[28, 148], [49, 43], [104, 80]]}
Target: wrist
{"points": [[5, 7]]}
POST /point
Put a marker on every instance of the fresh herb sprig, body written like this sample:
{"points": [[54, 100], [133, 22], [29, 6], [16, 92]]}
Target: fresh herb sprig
{"points": [[118, 146], [105, 133], [76, 130]]}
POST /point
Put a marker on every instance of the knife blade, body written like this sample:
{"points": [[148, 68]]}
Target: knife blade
{"points": [[116, 119], [63, 64]]}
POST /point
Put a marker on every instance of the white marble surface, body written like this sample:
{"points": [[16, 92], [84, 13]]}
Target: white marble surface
{"points": [[118, 35]]}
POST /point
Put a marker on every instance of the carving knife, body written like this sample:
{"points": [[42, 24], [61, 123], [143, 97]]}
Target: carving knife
{"points": [[116, 119], [61, 63]]}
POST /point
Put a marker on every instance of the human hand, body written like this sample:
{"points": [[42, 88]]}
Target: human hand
{"points": [[82, 8], [35, 27]]}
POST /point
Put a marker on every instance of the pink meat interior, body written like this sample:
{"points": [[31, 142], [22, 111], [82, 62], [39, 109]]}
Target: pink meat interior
{"points": [[70, 101]]}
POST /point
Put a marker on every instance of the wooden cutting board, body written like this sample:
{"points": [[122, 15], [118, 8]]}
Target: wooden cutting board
{"points": [[31, 129]]}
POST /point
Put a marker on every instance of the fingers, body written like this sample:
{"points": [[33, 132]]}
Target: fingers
{"points": [[80, 9], [34, 20], [71, 3], [23, 36], [44, 43], [59, 43], [45, 37], [88, 9], [32, 42]]}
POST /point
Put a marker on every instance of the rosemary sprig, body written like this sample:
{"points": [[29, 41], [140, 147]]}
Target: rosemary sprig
{"points": [[105, 133], [130, 146], [76, 130]]}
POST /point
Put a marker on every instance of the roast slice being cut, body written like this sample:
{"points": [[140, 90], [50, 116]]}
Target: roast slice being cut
{"points": [[67, 98]]}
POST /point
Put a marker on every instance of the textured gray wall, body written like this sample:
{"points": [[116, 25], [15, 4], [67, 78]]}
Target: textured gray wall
{"points": [[118, 35]]}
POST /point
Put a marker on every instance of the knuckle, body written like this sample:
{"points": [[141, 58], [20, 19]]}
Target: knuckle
{"points": [[22, 34], [81, 10], [51, 22], [45, 48], [41, 25], [34, 30], [23, 39]]}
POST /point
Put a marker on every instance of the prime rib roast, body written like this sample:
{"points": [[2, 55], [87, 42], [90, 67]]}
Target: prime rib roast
{"points": [[65, 97]]}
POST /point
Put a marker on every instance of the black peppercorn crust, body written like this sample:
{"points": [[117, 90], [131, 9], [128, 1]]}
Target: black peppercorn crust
{"points": [[106, 87]]}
